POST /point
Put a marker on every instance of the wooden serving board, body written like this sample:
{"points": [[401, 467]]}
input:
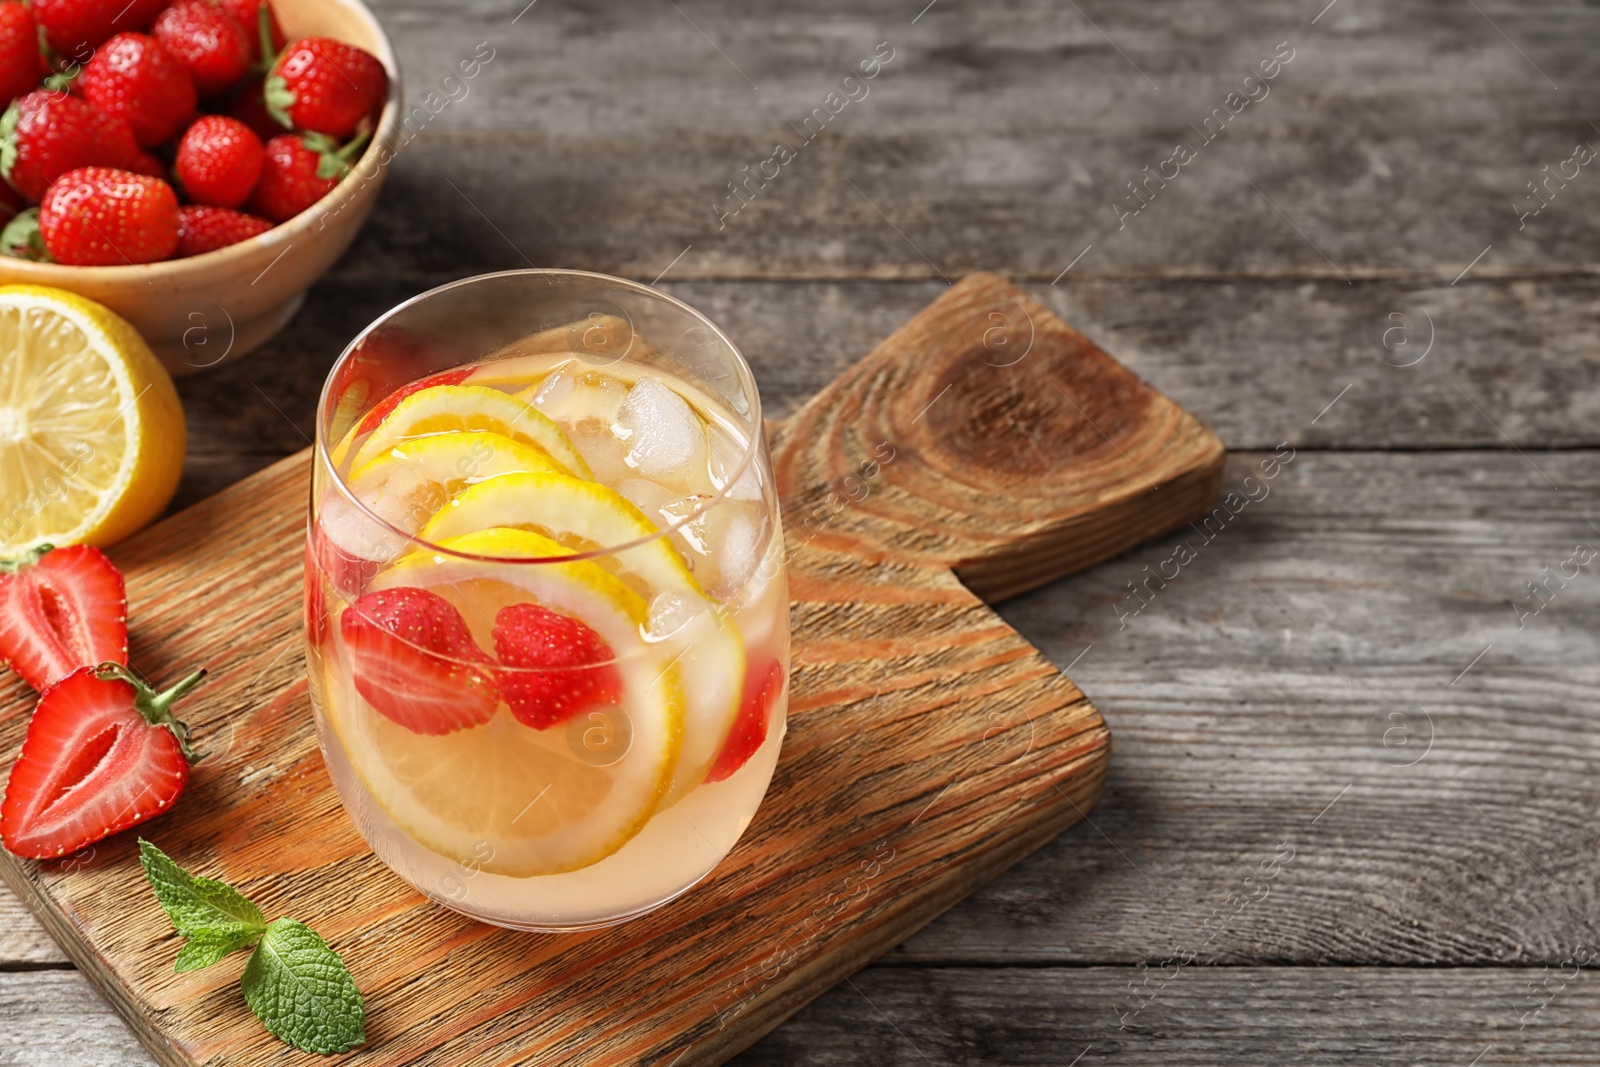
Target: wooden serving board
{"points": [[929, 746]]}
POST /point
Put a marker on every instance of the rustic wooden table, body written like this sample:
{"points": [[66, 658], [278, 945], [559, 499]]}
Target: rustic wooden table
{"points": [[1349, 818]]}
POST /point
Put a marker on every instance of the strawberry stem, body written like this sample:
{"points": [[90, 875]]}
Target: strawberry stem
{"points": [[26, 560], [264, 28], [156, 707]]}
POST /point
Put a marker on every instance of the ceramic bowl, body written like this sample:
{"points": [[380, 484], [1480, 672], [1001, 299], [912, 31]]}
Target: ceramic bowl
{"points": [[206, 310]]}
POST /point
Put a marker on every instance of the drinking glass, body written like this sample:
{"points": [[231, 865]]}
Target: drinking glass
{"points": [[547, 620]]}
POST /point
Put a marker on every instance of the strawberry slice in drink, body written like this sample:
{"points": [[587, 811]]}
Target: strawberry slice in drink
{"points": [[749, 732], [413, 659], [103, 752], [61, 609], [557, 665]]}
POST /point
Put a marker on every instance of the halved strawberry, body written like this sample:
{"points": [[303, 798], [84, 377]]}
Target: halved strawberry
{"points": [[761, 689], [413, 659], [558, 666], [61, 609], [103, 752]]}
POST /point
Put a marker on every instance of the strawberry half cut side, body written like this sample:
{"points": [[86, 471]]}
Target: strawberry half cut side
{"points": [[103, 752], [558, 665], [749, 732], [413, 659], [61, 609]]}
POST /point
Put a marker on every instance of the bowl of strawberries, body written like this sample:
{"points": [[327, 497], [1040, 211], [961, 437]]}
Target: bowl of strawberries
{"points": [[192, 164]]}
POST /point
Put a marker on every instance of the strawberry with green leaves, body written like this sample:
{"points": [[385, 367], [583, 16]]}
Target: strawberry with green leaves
{"points": [[103, 752], [22, 64], [296, 984], [43, 135], [205, 229], [98, 216], [61, 609], [133, 77], [208, 41], [325, 86], [218, 161], [299, 170]]}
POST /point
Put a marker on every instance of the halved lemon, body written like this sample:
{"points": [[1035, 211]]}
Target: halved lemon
{"points": [[529, 795], [407, 485], [91, 432], [705, 644], [446, 408]]}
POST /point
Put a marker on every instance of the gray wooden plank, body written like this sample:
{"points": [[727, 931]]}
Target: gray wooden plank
{"points": [[23, 942], [1254, 360], [1398, 139], [1193, 1015]]}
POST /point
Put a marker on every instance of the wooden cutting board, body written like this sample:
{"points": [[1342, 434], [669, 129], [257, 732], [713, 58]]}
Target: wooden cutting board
{"points": [[983, 449]]}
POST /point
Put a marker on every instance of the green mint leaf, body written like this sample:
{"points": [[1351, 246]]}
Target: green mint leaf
{"points": [[199, 907], [302, 991], [202, 950]]}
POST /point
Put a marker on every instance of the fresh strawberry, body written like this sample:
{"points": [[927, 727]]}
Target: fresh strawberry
{"points": [[61, 609], [206, 229], [148, 164], [97, 216], [300, 170], [413, 659], [208, 41], [219, 160], [326, 86], [43, 135], [75, 28], [103, 752], [135, 78], [389, 403], [21, 62], [761, 690], [248, 13], [554, 666]]}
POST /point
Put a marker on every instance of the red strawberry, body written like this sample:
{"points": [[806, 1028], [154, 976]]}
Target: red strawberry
{"points": [[248, 13], [61, 609], [219, 160], [560, 666], [43, 135], [97, 216], [135, 78], [21, 62], [412, 659], [392, 401], [75, 27], [300, 170], [208, 41], [103, 752], [326, 86], [206, 229], [749, 730]]}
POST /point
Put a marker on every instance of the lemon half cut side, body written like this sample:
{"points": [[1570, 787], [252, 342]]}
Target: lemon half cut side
{"points": [[92, 435]]}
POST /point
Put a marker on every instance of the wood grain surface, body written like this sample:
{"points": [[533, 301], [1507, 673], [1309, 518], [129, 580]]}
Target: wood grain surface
{"points": [[930, 747], [1397, 142]]}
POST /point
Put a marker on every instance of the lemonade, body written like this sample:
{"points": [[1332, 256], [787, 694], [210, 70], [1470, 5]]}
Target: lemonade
{"points": [[547, 619]]}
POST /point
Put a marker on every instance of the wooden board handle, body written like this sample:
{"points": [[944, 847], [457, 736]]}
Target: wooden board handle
{"points": [[988, 436]]}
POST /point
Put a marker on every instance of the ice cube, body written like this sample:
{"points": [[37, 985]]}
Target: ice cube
{"points": [[352, 548], [670, 612], [554, 392], [726, 452], [664, 434], [647, 496], [736, 549]]}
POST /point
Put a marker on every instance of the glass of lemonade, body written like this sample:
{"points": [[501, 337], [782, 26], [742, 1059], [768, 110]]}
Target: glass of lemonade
{"points": [[547, 622]]}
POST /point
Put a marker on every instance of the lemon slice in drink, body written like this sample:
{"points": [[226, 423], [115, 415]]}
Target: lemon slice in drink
{"points": [[536, 798], [693, 631], [407, 485], [447, 408], [91, 431]]}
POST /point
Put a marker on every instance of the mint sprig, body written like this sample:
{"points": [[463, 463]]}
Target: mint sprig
{"points": [[297, 986]]}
